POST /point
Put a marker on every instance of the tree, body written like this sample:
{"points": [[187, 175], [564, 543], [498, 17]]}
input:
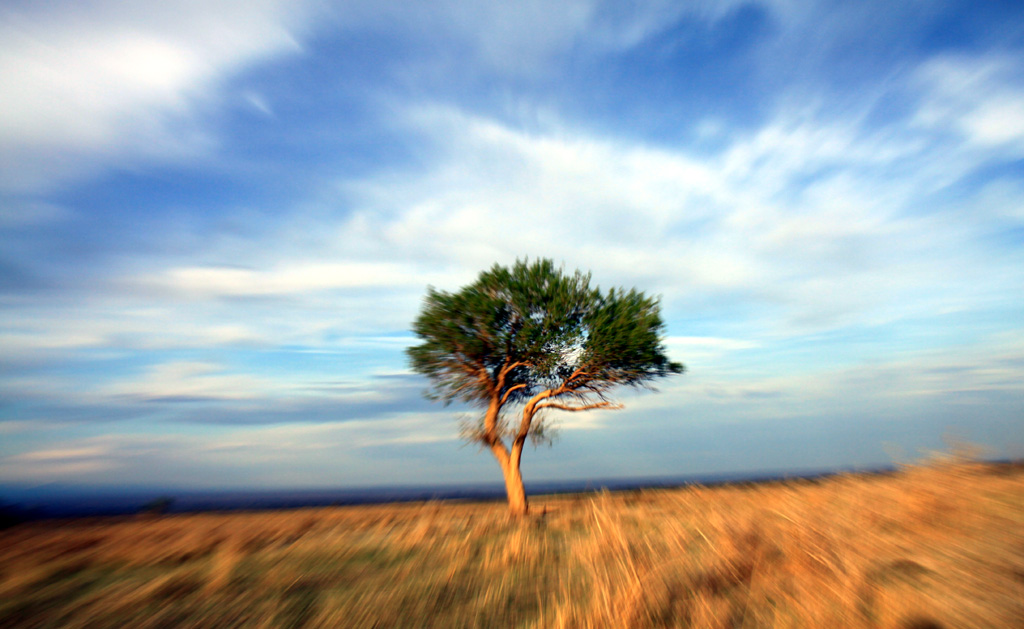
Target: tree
{"points": [[535, 338]]}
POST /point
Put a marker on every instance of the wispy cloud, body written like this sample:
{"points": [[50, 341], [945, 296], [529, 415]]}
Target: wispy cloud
{"points": [[104, 83], [294, 278], [219, 219], [330, 454], [976, 96], [782, 215]]}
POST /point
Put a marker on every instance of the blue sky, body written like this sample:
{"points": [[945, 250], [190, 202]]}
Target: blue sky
{"points": [[218, 220]]}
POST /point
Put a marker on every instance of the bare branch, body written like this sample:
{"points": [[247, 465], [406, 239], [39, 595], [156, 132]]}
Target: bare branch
{"points": [[564, 407], [508, 368], [504, 398], [576, 374], [503, 373]]}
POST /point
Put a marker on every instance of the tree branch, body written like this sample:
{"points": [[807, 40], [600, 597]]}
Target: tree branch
{"points": [[507, 368], [504, 398], [499, 381], [575, 374], [563, 407], [462, 387]]}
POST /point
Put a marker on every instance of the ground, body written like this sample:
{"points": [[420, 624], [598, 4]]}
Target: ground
{"points": [[937, 545]]}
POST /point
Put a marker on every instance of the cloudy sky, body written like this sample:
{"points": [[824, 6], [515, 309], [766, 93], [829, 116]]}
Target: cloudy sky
{"points": [[218, 219]]}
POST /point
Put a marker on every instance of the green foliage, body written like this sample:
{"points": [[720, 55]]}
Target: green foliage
{"points": [[519, 331]]}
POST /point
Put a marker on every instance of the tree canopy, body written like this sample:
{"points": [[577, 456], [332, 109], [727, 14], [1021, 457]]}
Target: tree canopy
{"points": [[534, 336]]}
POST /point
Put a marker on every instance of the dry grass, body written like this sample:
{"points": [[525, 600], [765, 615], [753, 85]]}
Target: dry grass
{"points": [[940, 545]]}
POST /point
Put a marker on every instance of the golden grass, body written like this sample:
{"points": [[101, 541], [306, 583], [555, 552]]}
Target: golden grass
{"points": [[940, 545]]}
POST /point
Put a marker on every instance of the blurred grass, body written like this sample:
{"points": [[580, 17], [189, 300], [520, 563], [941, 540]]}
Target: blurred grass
{"points": [[936, 545]]}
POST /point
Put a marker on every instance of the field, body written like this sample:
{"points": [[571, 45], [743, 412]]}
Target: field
{"points": [[937, 545]]}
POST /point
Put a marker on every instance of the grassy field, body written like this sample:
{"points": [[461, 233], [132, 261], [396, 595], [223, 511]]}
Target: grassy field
{"points": [[938, 545]]}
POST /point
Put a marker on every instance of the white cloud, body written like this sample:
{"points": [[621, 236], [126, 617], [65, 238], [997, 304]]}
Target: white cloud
{"points": [[981, 98], [892, 387], [62, 454], [40, 333], [293, 455], [523, 38], [75, 461], [704, 348], [31, 472], [153, 321], [15, 427], [191, 380], [21, 344], [299, 277], [813, 218], [883, 393], [89, 84], [805, 214]]}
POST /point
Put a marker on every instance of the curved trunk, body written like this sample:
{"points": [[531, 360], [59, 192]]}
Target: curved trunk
{"points": [[517, 504], [509, 461]]}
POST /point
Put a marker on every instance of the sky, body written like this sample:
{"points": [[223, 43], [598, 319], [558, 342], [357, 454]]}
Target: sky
{"points": [[218, 220]]}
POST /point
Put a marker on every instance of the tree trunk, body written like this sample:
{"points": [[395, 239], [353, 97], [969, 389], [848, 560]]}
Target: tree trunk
{"points": [[517, 505], [509, 461]]}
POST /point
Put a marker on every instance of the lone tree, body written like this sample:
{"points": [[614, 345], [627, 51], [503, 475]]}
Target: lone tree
{"points": [[535, 338]]}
